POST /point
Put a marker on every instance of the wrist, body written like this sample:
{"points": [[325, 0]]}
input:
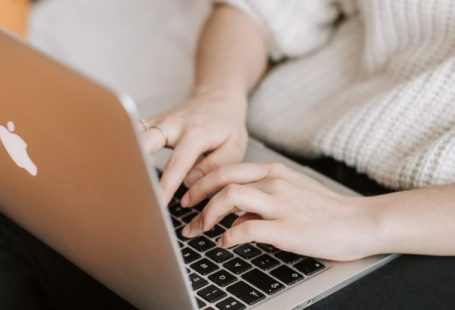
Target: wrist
{"points": [[373, 230], [381, 236], [231, 91]]}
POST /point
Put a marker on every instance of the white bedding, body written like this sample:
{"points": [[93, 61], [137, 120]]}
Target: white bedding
{"points": [[141, 47]]}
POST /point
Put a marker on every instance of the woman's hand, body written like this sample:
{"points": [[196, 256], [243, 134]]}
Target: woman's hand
{"points": [[211, 123], [285, 209], [230, 59]]}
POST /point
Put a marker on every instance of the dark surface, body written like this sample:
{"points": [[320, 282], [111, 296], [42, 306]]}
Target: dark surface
{"points": [[409, 282], [33, 276]]}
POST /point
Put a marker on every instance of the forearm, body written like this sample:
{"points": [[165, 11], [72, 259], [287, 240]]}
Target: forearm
{"points": [[232, 54], [416, 221]]}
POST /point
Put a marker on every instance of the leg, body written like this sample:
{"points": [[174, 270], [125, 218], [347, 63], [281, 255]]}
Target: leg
{"points": [[19, 288], [33, 276]]}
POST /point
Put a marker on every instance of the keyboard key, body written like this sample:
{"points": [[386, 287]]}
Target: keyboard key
{"points": [[262, 281], [286, 275], [228, 220], [189, 255], [197, 281], [200, 303], [219, 255], [181, 244], [176, 222], [202, 244], [204, 266], [265, 262], [267, 247], [180, 192], [245, 293], [309, 266], [222, 278], [177, 210], [188, 218], [172, 202], [211, 293], [288, 257], [247, 251], [178, 232], [215, 231], [230, 303], [237, 265]]}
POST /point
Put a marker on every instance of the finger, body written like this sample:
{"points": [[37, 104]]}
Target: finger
{"points": [[182, 159], [228, 153], [219, 178], [246, 217], [272, 185], [282, 171], [154, 140], [231, 199], [261, 231]]}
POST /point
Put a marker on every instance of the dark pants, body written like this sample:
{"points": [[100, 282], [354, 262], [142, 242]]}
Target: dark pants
{"points": [[33, 276]]}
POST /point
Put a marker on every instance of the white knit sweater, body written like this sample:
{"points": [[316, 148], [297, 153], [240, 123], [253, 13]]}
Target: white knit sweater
{"points": [[377, 91]]}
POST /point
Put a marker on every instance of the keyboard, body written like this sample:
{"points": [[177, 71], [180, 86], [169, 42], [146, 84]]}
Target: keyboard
{"points": [[240, 277]]}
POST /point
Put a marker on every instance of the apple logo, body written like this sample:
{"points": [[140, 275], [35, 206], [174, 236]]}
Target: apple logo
{"points": [[17, 148]]}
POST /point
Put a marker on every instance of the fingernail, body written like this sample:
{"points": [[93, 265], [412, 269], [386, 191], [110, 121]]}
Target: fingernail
{"points": [[185, 200], [201, 223], [220, 243], [186, 231], [192, 177]]}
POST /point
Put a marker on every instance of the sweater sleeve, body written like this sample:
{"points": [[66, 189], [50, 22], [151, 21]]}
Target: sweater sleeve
{"points": [[291, 28]]}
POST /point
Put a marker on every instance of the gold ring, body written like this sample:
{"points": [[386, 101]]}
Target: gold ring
{"points": [[163, 132], [147, 126]]}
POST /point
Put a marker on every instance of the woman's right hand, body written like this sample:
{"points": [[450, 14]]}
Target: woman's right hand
{"points": [[210, 123]]}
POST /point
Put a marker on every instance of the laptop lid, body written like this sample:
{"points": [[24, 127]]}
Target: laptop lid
{"points": [[73, 173]]}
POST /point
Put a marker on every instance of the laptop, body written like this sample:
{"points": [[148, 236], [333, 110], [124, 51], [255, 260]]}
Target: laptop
{"points": [[75, 174]]}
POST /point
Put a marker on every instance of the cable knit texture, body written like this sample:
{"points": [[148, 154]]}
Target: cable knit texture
{"points": [[376, 91]]}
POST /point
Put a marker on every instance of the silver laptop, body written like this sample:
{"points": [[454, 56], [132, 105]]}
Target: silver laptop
{"points": [[75, 174]]}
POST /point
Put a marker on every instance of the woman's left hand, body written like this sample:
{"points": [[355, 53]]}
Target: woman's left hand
{"points": [[285, 209]]}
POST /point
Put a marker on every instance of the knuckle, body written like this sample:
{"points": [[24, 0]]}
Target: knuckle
{"points": [[166, 119], [209, 164], [207, 212], [276, 168], [194, 131], [219, 173], [278, 185], [229, 235], [244, 133], [231, 191], [174, 161], [247, 229], [241, 138]]}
